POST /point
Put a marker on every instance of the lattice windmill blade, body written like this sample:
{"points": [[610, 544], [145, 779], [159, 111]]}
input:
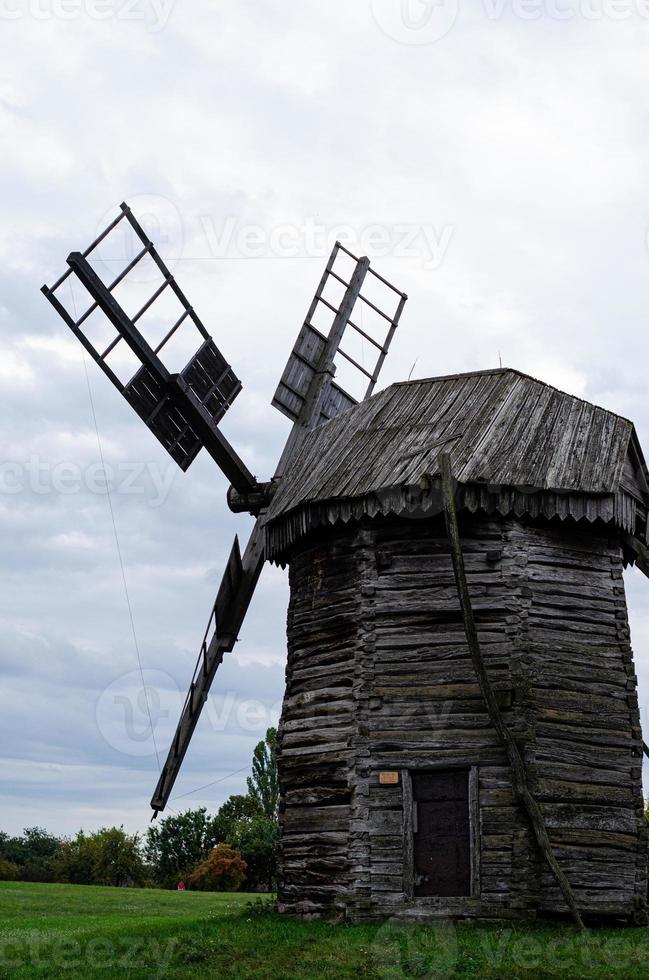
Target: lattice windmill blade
{"points": [[233, 598], [314, 353], [183, 409], [309, 397]]}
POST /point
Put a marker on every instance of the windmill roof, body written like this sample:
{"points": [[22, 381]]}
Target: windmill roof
{"points": [[501, 429]]}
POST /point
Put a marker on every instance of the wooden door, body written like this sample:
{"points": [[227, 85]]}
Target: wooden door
{"points": [[441, 840]]}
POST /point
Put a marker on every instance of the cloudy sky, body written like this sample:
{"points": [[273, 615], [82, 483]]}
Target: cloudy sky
{"points": [[491, 157]]}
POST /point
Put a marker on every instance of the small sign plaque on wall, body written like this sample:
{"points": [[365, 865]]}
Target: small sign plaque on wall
{"points": [[389, 778]]}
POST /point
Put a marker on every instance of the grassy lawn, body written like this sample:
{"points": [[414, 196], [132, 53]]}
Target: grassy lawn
{"points": [[85, 931]]}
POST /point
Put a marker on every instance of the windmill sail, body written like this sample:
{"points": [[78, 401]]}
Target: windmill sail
{"points": [[308, 395], [314, 352], [230, 607], [183, 409]]}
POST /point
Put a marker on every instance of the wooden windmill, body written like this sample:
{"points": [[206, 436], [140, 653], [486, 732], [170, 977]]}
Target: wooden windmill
{"points": [[460, 732]]}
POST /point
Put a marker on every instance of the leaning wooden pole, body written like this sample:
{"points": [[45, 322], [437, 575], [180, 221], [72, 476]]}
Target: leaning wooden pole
{"points": [[515, 759]]}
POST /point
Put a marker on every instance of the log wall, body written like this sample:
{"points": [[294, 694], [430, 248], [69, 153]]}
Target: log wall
{"points": [[317, 732], [379, 679], [587, 751]]}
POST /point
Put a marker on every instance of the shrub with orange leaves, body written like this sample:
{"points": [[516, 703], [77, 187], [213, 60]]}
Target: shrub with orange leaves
{"points": [[224, 870]]}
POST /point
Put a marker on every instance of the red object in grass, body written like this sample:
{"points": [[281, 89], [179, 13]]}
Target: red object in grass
{"points": [[181, 886]]}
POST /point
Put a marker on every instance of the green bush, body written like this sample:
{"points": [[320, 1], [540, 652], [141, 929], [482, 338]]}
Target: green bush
{"points": [[108, 857], [260, 908], [9, 871], [223, 871], [33, 852]]}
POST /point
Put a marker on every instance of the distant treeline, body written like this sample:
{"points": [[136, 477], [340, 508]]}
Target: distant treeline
{"points": [[234, 847]]}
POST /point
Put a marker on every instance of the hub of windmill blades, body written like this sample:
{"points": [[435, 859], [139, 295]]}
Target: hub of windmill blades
{"points": [[352, 304]]}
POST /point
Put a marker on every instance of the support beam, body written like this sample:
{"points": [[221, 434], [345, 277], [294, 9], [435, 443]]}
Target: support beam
{"points": [[310, 412], [516, 762]]}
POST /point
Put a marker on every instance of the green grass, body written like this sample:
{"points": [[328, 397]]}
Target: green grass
{"points": [[83, 931]]}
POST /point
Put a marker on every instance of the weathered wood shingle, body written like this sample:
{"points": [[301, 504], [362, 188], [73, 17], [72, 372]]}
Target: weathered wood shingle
{"points": [[516, 445]]}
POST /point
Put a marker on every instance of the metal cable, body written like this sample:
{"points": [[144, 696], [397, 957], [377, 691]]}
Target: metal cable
{"points": [[117, 544]]}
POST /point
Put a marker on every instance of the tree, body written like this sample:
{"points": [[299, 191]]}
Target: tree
{"points": [[110, 856], [256, 839], [8, 870], [263, 785], [241, 822], [118, 857], [75, 862], [224, 870], [11, 848], [178, 843], [235, 810], [32, 852]]}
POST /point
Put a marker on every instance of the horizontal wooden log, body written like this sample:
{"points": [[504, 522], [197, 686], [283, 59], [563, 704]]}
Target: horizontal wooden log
{"points": [[379, 678]]}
